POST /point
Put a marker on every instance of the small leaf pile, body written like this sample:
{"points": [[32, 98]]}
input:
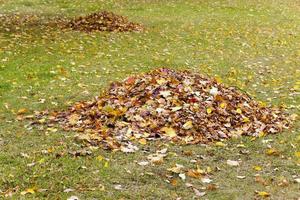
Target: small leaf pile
{"points": [[103, 21], [181, 106]]}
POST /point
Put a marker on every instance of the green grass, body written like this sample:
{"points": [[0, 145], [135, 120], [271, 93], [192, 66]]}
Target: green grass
{"points": [[250, 44]]}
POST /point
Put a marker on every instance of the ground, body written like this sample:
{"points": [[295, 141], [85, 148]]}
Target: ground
{"points": [[252, 44]]}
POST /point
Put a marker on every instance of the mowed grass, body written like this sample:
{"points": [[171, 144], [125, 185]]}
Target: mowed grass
{"points": [[253, 45]]}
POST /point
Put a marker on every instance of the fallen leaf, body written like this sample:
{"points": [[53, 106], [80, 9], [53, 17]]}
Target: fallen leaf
{"points": [[257, 168], [220, 144], [198, 193], [68, 190], [174, 182], [182, 176], [209, 110], [22, 111], [143, 163], [169, 131], [176, 169], [118, 187], [142, 141], [28, 191], [73, 119], [263, 194], [156, 158], [100, 158], [211, 187], [129, 148], [193, 173], [272, 151], [188, 125], [206, 180], [223, 105], [232, 163]]}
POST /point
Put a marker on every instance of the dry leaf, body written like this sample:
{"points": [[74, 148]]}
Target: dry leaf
{"points": [[232, 163], [263, 194], [188, 125], [169, 131]]}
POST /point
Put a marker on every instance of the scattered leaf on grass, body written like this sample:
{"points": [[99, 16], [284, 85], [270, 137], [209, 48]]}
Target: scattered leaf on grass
{"points": [[232, 163], [220, 144], [198, 193], [272, 152], [22, 111], [206, 180], [68, 190], [176, 169], [257, 168], [182, 176], [193, 173], [263, 194], [143, 163], [28, 191], [118, 187]]}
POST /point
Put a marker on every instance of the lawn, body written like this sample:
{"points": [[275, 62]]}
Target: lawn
{"points": [[254, 45]]}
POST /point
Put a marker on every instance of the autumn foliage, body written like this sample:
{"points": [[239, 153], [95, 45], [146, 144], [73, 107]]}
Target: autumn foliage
{"points": [[181, 106]]}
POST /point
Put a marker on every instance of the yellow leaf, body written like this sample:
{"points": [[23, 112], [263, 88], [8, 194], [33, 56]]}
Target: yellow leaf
{"points": [[28, 191], [169, 131], [142, 141], [209, 110], [262, 104], [100, 158], [223, 105], [218, 79], [161, 81], [208, 169], [22, 111], [257, 168], [106, 164], [263, 194], [188, 125], [261, 134], [297, 154], [220, 144], [272, 151], [53, 130], [176, 169], [238, 110], [42, 121], [246, 119], [115, 112]]}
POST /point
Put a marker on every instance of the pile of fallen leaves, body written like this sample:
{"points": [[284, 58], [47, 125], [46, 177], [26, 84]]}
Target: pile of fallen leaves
{"points": [[103, 21], [181, 106]]}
